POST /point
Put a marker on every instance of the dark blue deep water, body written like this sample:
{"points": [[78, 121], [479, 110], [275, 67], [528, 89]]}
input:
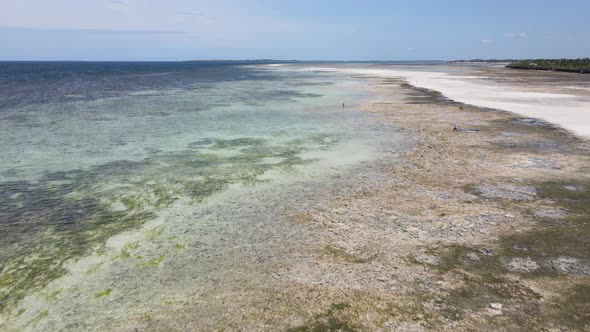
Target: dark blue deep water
{"points": [[38, 82]]}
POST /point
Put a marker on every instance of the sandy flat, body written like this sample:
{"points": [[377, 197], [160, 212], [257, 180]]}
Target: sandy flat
{"points": [[570, 111]]}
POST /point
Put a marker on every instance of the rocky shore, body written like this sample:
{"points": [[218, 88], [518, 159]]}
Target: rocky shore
{"points": [[478, 229], [485, 229]]}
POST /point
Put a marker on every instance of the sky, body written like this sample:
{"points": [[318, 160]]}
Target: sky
{"points": [[304, 29]]}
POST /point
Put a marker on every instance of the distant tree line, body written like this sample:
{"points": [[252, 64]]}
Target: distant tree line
{"points": [[568, 65]]}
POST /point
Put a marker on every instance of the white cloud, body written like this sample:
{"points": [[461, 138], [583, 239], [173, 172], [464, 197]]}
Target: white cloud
{"points": [[95, 31], [515, 35], [486, 41]]}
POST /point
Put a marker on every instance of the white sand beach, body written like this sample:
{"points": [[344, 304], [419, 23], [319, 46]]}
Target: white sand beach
{"points": [[570, 111]]}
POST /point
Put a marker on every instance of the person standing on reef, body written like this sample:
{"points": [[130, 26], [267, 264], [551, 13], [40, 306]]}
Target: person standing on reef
{"points": [[342, 104]]}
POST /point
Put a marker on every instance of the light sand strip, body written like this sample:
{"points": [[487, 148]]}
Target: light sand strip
{"points": [[569, 111]]}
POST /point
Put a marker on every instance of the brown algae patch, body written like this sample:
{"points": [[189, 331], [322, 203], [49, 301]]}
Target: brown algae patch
{"points": [[544, 251], [337, 253], [328, 321]]}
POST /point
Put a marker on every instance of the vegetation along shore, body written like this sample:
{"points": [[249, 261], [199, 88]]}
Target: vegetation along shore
{"points": [[566, 65]]}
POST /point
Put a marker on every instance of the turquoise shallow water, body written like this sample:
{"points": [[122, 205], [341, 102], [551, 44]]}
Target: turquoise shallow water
{"points": [[123, 175]]}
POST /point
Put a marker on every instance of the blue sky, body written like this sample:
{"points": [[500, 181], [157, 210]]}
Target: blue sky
{"points": [[302, 29]]}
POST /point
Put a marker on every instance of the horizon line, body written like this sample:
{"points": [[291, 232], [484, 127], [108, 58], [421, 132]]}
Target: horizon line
{"points": [[299, 60]]}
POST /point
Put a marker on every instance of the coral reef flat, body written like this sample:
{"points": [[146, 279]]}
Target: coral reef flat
{"points": [[373, 216]]}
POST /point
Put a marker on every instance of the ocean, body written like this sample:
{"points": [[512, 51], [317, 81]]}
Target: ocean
{"points": [[136, 182]]}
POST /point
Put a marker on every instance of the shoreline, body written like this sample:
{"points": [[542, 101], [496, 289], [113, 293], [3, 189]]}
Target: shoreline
{"points": [[479, 89]]}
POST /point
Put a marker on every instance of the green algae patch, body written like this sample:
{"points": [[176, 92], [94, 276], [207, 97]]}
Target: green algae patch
{"points": [[574, 310], [52, 296], [488, 273], [206, 187], [328, 321], [479, 291], [152, 263], [238, 143], [83, 208], [534, 136], [132, 202], [127, 251], [74, 225], [95, 268], [38, 318], [20, 312], [326, 140], [337, 253], [458, 257], [103, 293], [164, 196], [483, 280], [244, 168], [361, 311], [325, 324], [568, 236], [522, 308], [153, 234], [340, 306]]}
